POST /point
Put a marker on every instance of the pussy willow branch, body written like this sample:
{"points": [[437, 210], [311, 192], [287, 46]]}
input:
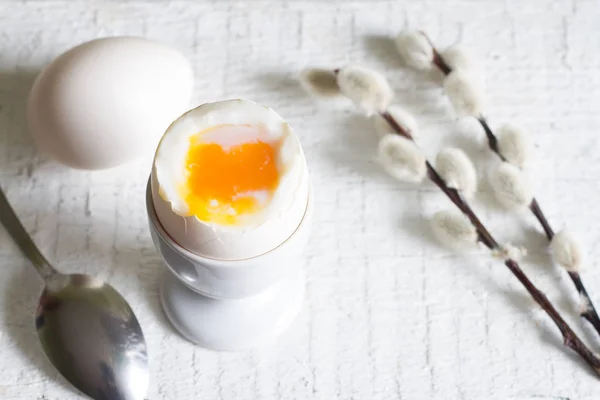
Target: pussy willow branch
{"points": [[570, 338], [589, 312]]}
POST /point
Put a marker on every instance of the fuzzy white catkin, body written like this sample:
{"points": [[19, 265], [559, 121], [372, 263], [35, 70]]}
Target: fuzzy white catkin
{"points": [[513, 144], [510, 186], [457, 57], [401, 158], [465, 93], [584, 304], [510, 251], [321, 82], [566, 251], [415, 49], [368, 89], [401, 116], [454, 230], [457, 171]]}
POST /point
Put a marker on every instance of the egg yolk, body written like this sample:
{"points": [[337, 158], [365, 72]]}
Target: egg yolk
{"points": [[224, 183]]}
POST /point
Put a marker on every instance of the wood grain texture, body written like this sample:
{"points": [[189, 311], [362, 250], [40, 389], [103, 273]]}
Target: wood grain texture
{"points": [[389, 315]]}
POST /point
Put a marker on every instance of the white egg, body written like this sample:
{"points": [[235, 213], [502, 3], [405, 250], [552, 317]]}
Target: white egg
{"points": [[229, 180], [108, 101]]}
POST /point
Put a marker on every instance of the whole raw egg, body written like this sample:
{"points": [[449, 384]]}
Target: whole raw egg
{"points": [[108, 101]]}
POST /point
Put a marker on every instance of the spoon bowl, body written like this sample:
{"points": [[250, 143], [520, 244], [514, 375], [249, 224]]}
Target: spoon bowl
{"points": [[92, 337], [86, 328]]}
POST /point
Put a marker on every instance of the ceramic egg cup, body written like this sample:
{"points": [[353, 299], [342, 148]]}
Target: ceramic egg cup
{"points": [[231, 305]]}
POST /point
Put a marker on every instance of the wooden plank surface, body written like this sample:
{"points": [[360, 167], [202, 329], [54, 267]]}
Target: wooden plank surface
{"points": [[389, 314]]}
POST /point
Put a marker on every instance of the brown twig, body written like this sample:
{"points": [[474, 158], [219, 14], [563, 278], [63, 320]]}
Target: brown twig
{"points": [[438, 60], [492, 139], [587, 308], [589, 312], [537, 211], [570, 338]]}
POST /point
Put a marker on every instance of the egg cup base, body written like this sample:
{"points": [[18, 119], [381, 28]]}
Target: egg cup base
{"points": [[234, 324]]}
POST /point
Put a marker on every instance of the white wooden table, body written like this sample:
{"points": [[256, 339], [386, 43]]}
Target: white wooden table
{"points": [[389, 314]]}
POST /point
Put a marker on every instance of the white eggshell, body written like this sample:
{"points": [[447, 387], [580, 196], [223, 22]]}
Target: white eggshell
{"points": [[212, 240], [108, 101]]}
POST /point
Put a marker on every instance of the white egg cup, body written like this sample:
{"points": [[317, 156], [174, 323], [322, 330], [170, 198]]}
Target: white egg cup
{"points": [[231, 305]]}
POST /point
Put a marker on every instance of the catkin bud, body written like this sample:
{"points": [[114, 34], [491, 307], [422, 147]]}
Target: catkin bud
{"points": [[585, 305], [566, 251], [454, 230], [465, 93], [321, 82], [457, 171], [368, 89], [457, 57], [510, 186], [402, 118], [513, 144], [510, 251], [401, 158], [415, 49]]}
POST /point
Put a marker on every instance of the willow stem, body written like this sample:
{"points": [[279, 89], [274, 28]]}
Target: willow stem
{"points": [[570, 338], [589, 311], [492, 139], [438, 60], [538, 213], [587, 308]]}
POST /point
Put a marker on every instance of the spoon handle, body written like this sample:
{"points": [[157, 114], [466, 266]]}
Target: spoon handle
{"points": [[16, 230]]}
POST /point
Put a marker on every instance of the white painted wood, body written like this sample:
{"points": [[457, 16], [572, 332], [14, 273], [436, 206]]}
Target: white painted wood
{"points": [[389, 314]]}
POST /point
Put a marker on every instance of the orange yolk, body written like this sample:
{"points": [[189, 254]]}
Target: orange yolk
{"points": [[225, 183]]}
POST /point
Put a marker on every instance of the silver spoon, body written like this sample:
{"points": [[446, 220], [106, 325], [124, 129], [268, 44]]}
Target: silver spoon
{"points": [[86, 327]]}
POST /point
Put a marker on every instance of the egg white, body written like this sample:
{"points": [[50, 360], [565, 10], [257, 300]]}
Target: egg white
{"points": [[253, 233]]}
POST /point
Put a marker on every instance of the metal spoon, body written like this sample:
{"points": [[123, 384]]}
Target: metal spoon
{"points": [[86, 327]]}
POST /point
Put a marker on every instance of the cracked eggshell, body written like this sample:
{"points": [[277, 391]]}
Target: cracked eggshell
{"points": [[108, 101], [261, 233]]}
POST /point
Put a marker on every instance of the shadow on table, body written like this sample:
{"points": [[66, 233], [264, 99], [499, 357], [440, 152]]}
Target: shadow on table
{"points": [[285, 85], [149, 269], [20, 157], [15, 85], [383, 48], [14, 90]]}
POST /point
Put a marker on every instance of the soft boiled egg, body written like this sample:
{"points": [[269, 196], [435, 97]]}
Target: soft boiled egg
{"points": [[229, 180]]}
